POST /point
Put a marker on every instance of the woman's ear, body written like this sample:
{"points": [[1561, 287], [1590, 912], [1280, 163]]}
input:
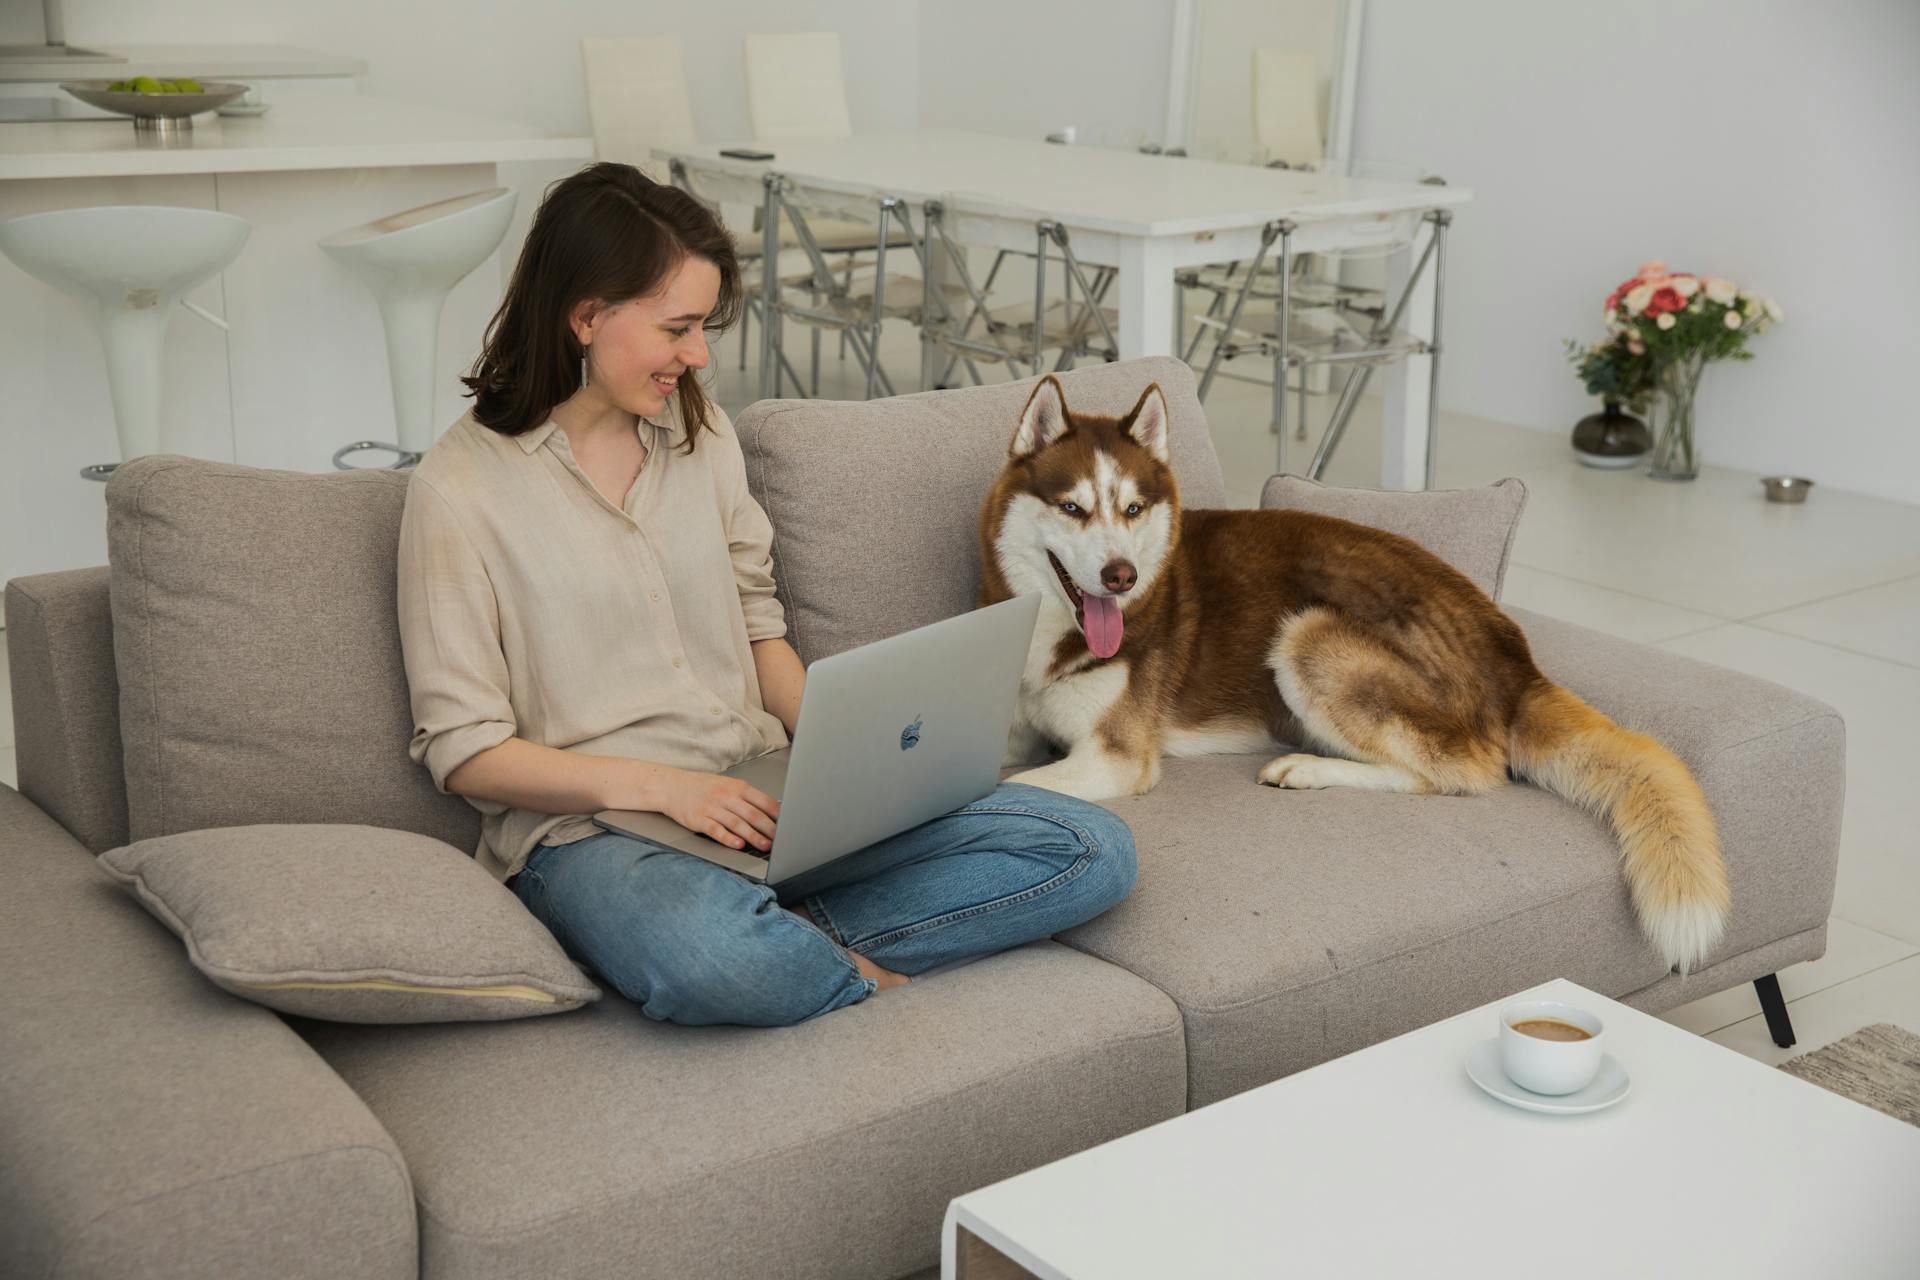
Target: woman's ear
{"points": [[582, 320]]}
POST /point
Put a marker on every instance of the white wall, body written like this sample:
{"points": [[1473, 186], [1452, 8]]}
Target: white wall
{"points": [[1025, 68], [1775, 143]]}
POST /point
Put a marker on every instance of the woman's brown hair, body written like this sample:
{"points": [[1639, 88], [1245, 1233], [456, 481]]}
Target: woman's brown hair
{"points": [[607, 233]]}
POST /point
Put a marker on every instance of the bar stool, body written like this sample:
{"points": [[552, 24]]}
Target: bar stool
{"points": [[132, 263], [411, 261]]}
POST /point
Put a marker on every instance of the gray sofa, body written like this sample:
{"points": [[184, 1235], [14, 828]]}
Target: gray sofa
{"points": [[153, 1125]]}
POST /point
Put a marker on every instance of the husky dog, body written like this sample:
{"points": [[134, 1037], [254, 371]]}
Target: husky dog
{"points": [[1170, 632]]}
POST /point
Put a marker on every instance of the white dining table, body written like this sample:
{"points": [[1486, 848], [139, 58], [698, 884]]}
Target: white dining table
{"points": [[1146, 215]]}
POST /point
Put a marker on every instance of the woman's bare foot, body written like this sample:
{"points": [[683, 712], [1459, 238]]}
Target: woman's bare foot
{"points": [[881, 978]]}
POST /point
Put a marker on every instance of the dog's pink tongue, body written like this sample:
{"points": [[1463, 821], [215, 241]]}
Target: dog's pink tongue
{"points": [[1103, 624]]}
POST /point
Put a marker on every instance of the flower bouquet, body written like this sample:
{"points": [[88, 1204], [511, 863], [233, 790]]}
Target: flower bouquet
{"points": [[1681, 323]]}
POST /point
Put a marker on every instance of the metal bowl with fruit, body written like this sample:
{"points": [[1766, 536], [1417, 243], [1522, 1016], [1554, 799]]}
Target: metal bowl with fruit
{"points": [[156, 105]]}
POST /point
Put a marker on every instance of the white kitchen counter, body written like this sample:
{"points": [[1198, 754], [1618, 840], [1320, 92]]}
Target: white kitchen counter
{"points": [[207, 61], [300, 133]]}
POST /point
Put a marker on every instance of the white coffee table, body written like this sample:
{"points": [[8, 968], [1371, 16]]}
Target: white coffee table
{"points": [[1390, 1162]]}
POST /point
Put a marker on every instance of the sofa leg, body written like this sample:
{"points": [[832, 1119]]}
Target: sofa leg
{"points": [[1774, 1005]]}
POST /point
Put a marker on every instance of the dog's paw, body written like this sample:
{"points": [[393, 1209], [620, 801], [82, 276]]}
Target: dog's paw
{"points": [[1295, 772]]}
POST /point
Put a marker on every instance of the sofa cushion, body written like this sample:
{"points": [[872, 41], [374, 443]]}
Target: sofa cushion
{"points": [[354, 924], [876, 505], [1471, 529], [258, 651], [1292, 927], [604, 1144]]}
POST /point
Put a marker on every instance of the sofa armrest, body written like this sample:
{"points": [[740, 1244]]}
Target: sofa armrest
{"points": [[151, 1124], [1771, 761]]}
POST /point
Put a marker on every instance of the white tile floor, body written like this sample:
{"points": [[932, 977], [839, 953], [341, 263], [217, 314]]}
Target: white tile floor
{"points": [[1824, 598]]}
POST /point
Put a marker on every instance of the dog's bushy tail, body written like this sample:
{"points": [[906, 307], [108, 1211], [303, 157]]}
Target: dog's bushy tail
{"points": [[1670, 852]]}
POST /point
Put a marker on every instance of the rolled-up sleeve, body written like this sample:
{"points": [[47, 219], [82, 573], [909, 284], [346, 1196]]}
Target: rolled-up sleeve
{"points": [[749, 543], [449, 639]]}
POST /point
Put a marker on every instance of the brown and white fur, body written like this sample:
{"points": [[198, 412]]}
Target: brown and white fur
{"points": [[1236, 631]]}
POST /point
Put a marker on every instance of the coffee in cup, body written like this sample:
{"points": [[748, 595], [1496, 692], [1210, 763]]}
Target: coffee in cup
{"points": [[1550, 1047]]}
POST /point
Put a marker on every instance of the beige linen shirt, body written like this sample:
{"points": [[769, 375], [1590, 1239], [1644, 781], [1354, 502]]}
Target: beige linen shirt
{"points": [[532, 607]]}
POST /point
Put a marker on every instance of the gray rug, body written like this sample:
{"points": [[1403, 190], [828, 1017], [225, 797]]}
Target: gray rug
{"points": [[1877, 1065]]}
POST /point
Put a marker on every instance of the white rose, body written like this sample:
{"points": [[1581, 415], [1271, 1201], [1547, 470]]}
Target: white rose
{"points": [[1721, 290], [1633, 335], [1666, 320], [1751, 305], [1774, 313], [1733, 319], [1637, 297], [1685, 286]]}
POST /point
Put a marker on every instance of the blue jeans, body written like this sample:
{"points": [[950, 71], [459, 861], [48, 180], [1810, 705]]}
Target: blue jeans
{"points": [[691, 942]]}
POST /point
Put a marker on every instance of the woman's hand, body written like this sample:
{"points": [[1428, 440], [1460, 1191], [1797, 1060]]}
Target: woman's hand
{"points": [[720, 808]]}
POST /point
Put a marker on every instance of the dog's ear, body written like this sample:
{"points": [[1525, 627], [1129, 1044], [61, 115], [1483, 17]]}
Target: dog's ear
{"points": [[1147, 424], [1042, 421]]}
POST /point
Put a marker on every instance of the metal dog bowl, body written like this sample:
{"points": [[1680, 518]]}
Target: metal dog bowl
{"points": [[1786, 488], [155, 112]]}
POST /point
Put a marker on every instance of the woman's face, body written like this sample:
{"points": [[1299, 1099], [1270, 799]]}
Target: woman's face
{"points": [[637, 351]]}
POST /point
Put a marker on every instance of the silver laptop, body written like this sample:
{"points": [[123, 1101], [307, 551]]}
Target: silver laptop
{"points": [[890, 735]]}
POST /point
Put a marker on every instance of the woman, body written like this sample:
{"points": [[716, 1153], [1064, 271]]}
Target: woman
{"points": [[588, 619]]}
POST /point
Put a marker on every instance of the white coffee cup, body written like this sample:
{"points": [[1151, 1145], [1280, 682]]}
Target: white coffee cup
{"points": [[1550, 1066]]}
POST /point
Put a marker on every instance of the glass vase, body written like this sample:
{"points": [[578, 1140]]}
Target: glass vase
{"points": [[1674, 457]]}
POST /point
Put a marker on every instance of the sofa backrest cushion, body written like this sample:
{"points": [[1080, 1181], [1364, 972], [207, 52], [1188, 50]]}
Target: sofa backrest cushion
{"points": [[1471, 529], [876, 505], [258, 651]]}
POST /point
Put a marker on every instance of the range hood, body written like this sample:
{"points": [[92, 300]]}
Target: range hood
{"points": [[56, 46]]}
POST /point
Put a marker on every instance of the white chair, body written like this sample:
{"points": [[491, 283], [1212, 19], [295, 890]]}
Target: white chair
{"points": [[1287, 130], [411, 261], [132, 263], [797, 92], [795, 88], [637, 99]]}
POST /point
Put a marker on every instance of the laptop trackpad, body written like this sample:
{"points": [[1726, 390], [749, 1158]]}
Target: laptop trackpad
{"points": [[767, 772]]}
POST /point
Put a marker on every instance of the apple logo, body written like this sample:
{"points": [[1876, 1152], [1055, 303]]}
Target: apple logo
{"points": [[910, 735]]}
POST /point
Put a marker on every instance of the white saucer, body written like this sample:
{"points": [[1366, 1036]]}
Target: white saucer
{"points": [[259, 109], [1608, 1087]]}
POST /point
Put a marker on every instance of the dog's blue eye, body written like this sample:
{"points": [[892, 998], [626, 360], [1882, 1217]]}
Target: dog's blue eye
{"points": [[1071, 508], [1134, 509]]}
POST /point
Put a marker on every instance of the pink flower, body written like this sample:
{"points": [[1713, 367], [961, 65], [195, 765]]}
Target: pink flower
{"points": [[1654, 270]]}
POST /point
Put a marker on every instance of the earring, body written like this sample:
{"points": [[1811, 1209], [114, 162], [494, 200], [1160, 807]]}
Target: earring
{"points": [[583, 368]]}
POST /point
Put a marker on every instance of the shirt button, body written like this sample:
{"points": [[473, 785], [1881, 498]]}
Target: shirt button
{"points": [[676, 662], [653, 595], [718, 711]]}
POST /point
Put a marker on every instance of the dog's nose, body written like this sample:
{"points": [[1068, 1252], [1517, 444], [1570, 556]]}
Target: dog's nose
{"points": [[1118, 576]]}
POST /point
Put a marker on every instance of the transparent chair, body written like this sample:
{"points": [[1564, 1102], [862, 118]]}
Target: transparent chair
{"points": [[1325, 310]]}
